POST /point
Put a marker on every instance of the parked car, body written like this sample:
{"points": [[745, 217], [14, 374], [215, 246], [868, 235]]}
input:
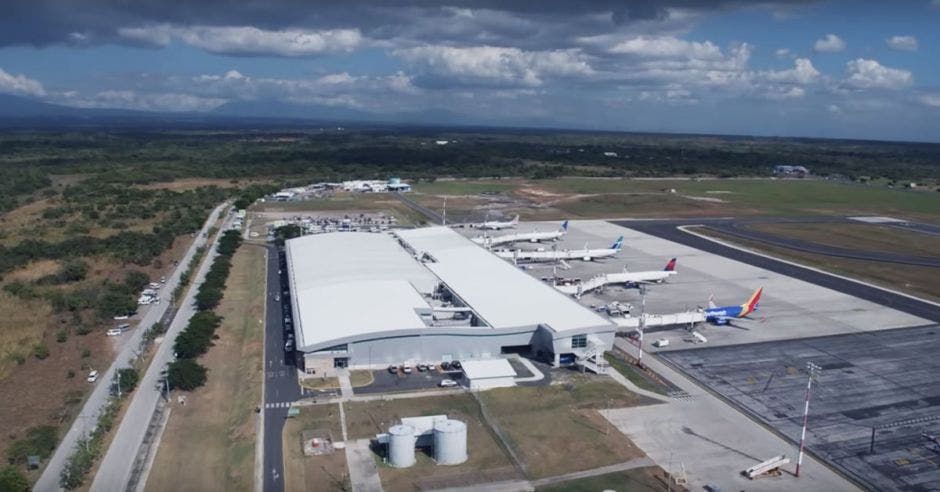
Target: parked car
{"points": [[447, 383], [455, 364], [113, 332], [92, 376], [393, 369], [422, 368], [445, 366], [406, 369]]}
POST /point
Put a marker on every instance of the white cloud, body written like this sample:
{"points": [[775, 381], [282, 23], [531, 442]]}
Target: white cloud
{"points": [[834, 109], [930, 99], [128, 99], [247, 40], [497, 64], [829, 44], [803, 72], [783, 53], [902, 43], [20, 84], [869, 74], [667, 47], [779, 94]]}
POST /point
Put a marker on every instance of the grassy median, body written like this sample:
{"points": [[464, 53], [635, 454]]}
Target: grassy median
{"points": [[209, 443]]}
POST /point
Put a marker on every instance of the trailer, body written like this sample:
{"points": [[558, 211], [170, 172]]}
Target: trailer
{"points": [[767, 468]]}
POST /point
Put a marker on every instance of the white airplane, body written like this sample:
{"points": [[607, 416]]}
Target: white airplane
{"points": [[627, 278], [532, 237], [496, 225], [585, 254]]}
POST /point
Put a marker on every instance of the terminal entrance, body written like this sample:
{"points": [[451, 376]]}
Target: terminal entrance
{"points": [[514, 349], [340, 362]]}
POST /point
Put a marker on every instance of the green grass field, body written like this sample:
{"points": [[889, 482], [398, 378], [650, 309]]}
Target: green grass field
{"points": [[612, 197]]}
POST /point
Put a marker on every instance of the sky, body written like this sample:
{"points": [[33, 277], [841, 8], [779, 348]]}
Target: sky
{"points": [[842, 69]]}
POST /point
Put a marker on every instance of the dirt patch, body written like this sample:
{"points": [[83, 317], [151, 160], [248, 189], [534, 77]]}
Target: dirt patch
{"points": [[192, 184], [41, 392], [33, 271]]}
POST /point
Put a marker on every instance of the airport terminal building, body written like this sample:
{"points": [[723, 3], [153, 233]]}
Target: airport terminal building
{"points": [[427, 295]]}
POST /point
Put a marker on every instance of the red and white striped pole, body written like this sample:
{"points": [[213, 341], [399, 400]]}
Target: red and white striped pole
{"points": [[813, 370]]}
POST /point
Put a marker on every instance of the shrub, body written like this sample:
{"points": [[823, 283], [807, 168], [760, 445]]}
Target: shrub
{"points": [[62, 335], [86, 353], [70, 374], [12, 480], [39, 441], [40, 351]]}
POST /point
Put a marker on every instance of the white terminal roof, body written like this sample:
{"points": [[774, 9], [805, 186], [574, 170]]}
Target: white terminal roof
{"points": [[487, 368], [496, 290], [350, 283]]}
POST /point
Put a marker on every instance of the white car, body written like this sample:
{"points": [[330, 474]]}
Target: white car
{"points": [[92, 376], [448, 383], [113, 332]]}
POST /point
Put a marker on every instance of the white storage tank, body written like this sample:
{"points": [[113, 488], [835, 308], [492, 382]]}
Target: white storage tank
{"points": [[450, 442], [401, 446]]}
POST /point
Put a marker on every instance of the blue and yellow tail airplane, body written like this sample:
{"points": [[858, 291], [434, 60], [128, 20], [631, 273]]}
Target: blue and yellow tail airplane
{"points": [[722, 315]]}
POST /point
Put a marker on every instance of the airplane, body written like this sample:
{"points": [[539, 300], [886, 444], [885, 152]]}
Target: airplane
{"points": [[496, 225], [625, 277], [532, 237], [724, 315], [585, 254]]}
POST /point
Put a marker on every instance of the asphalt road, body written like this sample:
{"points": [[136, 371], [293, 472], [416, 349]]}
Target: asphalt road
{"points": [[117, 464], [280, 379], [431, 215], [49, 480], [669, 230]]}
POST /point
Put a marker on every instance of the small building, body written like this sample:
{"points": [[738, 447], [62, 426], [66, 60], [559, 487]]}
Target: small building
{"points": [[489, 373], [791, 171], [610, 154]]}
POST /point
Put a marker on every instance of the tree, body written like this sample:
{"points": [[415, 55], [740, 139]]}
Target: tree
{"points": [[135, 280], [12, 480], [186, 374], [127, 379]]}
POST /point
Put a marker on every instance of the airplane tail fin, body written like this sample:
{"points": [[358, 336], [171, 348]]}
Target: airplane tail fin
{"points": [[515, 220], [751, 304], [564, 226], [618, 244], [711, 302], [671, 266]]}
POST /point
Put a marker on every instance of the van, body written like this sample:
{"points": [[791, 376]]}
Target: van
{"points": [[113, 332], [123, 327]]}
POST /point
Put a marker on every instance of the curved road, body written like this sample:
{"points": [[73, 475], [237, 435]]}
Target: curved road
{"points": [[668, 229]]}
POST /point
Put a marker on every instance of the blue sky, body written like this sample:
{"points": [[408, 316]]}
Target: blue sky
{"points": [[801, 68]]}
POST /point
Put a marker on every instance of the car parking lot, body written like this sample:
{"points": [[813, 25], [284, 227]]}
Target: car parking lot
{"points": [[386, 382]]}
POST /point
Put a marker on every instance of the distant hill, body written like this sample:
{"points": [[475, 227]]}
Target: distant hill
{"points": [[23, 111]]}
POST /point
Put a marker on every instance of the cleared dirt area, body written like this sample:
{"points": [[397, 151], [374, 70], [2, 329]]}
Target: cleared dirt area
{"points": [[193, 183], [556, 429], [318, 472], [209, 443], [487, 460], [915, 280]]}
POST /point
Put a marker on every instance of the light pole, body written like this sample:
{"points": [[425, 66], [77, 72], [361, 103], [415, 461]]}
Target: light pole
{"points": [[813, 371], [642, 326]]}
